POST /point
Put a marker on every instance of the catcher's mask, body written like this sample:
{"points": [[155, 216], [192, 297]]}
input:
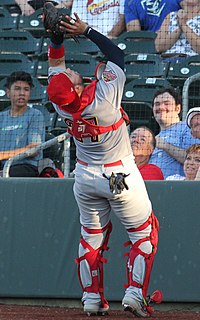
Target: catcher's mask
{"points": [[61, 91]]}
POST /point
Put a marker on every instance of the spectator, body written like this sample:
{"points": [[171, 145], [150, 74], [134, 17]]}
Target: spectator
{"points": [[143, 143], [193, 121], [148, 15], [106, 17], [47, 169], [174, 137], [180, 32], [191, 164], [23, 8], [21, 127], [28, 7], [63, 4]]}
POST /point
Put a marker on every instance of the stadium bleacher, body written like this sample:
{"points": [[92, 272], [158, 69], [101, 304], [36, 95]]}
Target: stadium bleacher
{"points": [[143, 89], [83, 45], [7, 22], [24, 45], [10, 62], [19, 41], [11, 6], [144, 65], [136, 41], [81, 62]]}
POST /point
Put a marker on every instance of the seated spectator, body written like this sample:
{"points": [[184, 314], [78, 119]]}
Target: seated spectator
{"points": [[106, 17], [47, 169], [148, 15], [191, 164], [174, 136], [143, 143], [179, 35], [193, 121], [22, 7], [21, 127], [28, 7], [61, 3]]}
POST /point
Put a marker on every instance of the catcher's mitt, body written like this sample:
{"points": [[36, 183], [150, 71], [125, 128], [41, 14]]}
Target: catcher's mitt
{"points": [[117, 182], [51, 21]]}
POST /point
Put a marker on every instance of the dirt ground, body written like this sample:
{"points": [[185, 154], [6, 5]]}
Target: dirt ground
{"points": [[20, 312]]}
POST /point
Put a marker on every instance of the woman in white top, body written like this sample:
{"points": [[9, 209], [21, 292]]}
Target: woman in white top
{"points": [[179, 34]]}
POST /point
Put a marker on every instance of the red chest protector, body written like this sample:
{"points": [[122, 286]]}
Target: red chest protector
{"points": [[81, 128]]}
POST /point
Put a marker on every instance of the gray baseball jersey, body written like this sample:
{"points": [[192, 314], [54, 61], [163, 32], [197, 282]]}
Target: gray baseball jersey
{"points": [[103, 111]]}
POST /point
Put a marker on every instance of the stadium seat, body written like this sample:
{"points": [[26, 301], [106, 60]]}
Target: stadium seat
{"points": [[82, 63], [7, 2], [140, 114], [19, 41], [10, 62], [143, 89], [137, 101], [53, 152], [58, 126], [179, 72], [38, 92], [145, 65], [11, 6], [184, 69], [82, 46], [34, 24], [6, 20], [194, 94], [136, 42]]}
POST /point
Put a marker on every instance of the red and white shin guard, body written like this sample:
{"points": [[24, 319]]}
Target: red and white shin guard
{"points": [[156, 297], [95, 260]]}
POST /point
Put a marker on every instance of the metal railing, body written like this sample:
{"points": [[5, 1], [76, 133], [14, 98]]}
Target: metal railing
{"points": [[64, 137], [185, 94]]}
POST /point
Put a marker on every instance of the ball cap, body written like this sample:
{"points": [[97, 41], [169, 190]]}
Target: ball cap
{"points": [[61, 91], [191, 113]]}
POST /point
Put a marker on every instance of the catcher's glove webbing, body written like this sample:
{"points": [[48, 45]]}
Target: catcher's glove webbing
{"points": [[51, 21]]}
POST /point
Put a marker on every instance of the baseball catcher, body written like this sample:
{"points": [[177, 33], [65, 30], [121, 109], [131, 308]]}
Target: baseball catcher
{"points": [[106, 176]]}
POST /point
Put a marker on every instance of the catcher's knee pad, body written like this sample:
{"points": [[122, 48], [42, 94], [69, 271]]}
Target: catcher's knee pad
{"points": [[135, 251], [94, 260]]}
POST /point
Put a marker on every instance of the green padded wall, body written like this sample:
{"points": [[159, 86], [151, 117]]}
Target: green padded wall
{"points": [[40, 230]]}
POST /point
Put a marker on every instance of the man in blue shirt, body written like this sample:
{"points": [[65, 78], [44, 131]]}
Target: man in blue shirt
{"points": [[21, 127], [148, 14], [174, 137]]}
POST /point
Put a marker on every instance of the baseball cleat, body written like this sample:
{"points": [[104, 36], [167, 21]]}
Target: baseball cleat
{"points": [[96, 309], [135, 307], [142, 309]]}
